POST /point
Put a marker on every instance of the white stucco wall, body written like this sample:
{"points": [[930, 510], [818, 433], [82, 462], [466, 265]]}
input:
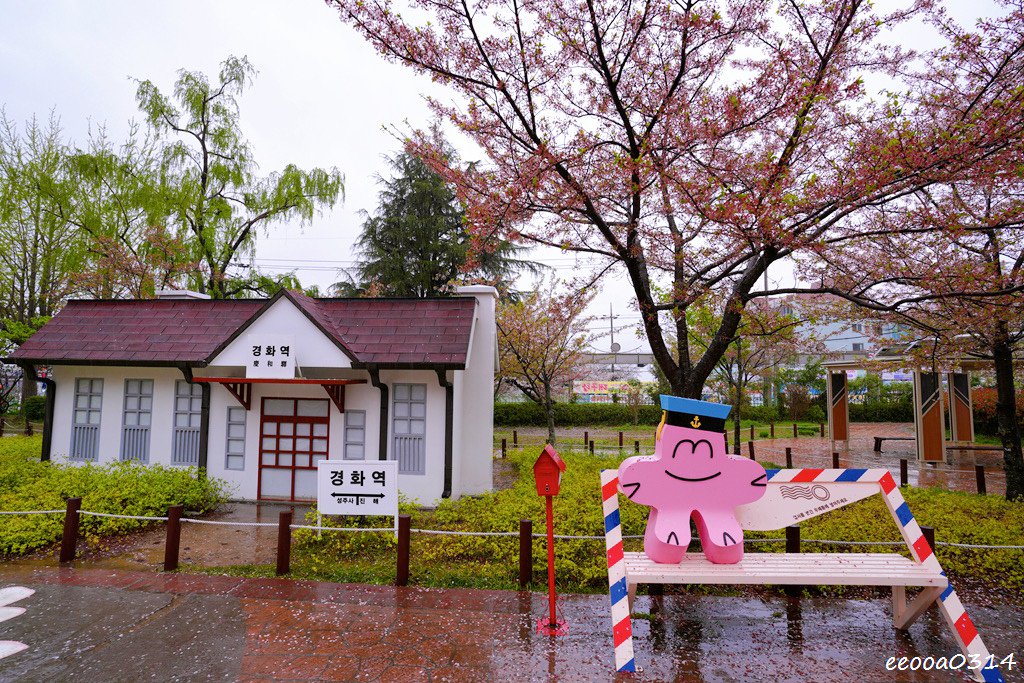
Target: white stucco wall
{"points": [[161, 427], [312, 347], [474, 399]]}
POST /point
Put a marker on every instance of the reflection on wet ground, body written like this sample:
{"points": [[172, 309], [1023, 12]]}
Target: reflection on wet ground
{"points": [[88, 624]]}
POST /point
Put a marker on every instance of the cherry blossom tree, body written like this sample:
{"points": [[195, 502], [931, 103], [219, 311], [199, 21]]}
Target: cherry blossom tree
{"points": [[694, 143], [541, 339]]}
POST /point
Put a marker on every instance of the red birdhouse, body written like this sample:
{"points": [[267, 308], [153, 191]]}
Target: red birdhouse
{"points": [[547, 471]]}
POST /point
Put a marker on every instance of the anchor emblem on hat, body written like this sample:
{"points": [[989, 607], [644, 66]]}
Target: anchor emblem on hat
{"points": [[695, 422]]}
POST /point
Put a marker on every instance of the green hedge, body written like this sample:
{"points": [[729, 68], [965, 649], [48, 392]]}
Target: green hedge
{"points": [[596, 414], [573, 414], [118, 488], [881, 412]]}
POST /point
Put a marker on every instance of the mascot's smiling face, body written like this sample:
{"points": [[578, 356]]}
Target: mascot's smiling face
{"points": [[693, 461]]}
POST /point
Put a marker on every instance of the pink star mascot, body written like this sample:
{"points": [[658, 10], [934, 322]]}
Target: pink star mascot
{"points": [[691, 475]]}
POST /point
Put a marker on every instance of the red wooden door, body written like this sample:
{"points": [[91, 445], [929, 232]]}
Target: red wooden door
{"points": [[294, 437]]}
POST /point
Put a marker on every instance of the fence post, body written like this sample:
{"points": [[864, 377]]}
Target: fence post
{"points": [[404, 524], [591, 446], [903, 472], [284, 542], [793, 546], [878, 444], [586, 439], [789, 458], [636, 446], [979, 474], [821, 429], [515, 439], [751, 432], [504, 447], [70, 538], [771, 429], [173, 537], [929, 535], [525, 553], [620, 441], [750, 447], [796, 434], [835, 460]]}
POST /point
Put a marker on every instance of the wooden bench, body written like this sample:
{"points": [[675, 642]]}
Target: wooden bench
{"points": [[779, 508], [880, 439]]}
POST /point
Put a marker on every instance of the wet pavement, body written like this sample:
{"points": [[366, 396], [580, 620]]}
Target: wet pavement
{"points": [[104, 625]]}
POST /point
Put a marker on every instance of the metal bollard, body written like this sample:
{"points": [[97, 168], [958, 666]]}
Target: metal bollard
{"points": [[70, 538], [789, 457], [796, 433], [878, 444], [586, 439], [284, 542], [525, 553], [515, 439], [904, 479], [591, 447], [173, 537], [620, 440], [835, 460], [750, 447], [751, 432], [402, 573], [771, 430], [504, 448], [636, 446], [821, 429], [979, 475]]}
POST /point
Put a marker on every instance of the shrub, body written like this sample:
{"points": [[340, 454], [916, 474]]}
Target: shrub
{"points": [[815, 413], [35, 408], [120, 488], [985, 420]]}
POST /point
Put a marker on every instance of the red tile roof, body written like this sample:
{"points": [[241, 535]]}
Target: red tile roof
{"points": [[384, 332]]}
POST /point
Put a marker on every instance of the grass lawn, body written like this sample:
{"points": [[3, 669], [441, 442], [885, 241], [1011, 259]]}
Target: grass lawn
{"points": [[122, 488], [492, 562]]}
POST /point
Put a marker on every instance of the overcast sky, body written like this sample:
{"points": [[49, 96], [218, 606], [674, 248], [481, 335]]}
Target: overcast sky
{"points": [[323, 97]]}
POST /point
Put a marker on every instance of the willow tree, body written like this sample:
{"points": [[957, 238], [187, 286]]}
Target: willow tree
{"points": [[691, 144], [212, 190]]}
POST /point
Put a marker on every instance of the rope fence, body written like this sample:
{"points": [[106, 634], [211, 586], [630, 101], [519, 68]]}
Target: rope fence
{"points": [[453, 532]]}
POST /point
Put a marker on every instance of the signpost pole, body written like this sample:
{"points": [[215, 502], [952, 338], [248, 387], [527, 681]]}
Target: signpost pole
{"points": [[553, 620]]}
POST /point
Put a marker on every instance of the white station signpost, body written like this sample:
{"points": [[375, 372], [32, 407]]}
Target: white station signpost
{"points": [[358, 487]]}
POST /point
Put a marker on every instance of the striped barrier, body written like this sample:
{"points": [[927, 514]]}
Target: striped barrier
{"points": [[622, 625], [949, 605]]}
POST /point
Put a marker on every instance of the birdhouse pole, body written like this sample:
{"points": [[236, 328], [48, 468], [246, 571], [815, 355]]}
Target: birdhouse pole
{"points": [[547, 473]]}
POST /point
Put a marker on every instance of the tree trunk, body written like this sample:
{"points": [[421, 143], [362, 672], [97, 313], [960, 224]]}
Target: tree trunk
{"points": [[1006, 417], [549, 411]]}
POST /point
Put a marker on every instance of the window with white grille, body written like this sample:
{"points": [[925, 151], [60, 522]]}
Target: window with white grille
{"points": [[85, 427], [188, 407], [355, 435], [235, 448], [138, 414], [409, 428]]}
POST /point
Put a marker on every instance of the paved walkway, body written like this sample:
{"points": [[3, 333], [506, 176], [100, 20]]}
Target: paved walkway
{"points": [[102, 625]]}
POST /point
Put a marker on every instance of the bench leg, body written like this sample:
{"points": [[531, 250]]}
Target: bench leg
{"points": [[903, 614], [631, 592]]}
